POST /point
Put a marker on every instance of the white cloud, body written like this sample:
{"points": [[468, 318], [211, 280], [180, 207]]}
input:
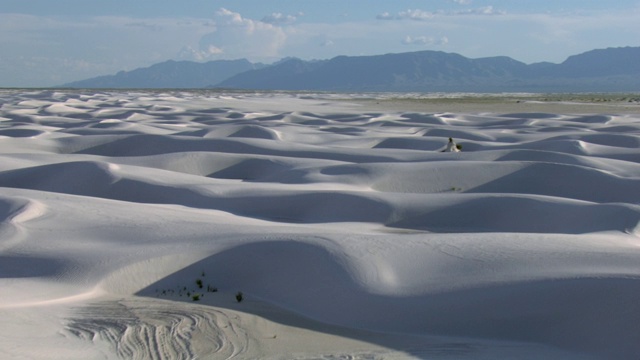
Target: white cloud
{"points": [[385, 16], [239, 37], [425, 40], [410, 14], [279, 19], [145, 25], [461, 2], [418, 15], [421, 15], [486, 10], [189, 53]]}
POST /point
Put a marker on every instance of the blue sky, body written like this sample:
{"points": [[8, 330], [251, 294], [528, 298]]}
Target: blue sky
{"points": [[50, 42]]}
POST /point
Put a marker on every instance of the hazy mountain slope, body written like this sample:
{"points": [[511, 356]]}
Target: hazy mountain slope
{"points": [[169, 74], [614, 69]]}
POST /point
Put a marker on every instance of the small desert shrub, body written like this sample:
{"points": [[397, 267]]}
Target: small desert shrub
{"points": [[239, 296], [199, 283], [195, 297]]}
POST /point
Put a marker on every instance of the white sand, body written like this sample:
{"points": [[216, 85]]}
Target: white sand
{"points": [[346, 229]]}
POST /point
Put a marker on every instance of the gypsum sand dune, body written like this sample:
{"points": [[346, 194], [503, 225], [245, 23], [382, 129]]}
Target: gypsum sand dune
{"points": [[340, 247]]}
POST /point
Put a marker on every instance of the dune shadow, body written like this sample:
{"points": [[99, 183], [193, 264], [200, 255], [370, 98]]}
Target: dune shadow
{"points": [[76, 178], [523, 214], [342, 118], [614, 140], [308, 285], [147, 145], [21, 133], [343, 130], [29, 267], [285, 282], [256, 132], [592, 119], [571, 181], [531, 115], [251, 170], [422, 119], [424, 144], [96, 179]]}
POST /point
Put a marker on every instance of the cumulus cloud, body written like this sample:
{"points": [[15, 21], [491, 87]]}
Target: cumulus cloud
{"points": [[145, 25], [415, 14], [421, 15], [425, 40], [280, 19], [385, 16], [239, 37], [189, 53], [486, 10], [418, 15]]}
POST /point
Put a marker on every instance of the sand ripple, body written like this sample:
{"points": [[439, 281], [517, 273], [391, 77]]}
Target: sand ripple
{"points": [[143, 329]]}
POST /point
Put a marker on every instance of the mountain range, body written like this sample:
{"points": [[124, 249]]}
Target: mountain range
{"points": [[602, 70], [170, 74]]}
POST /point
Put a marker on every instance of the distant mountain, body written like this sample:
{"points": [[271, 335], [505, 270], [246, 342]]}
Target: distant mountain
{"points": [[416, 71], [170, 74], [604, 70], [613, 69], [603, 62]]}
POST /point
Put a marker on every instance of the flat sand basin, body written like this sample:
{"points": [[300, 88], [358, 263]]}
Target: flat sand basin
{"points": [[508, 103]]}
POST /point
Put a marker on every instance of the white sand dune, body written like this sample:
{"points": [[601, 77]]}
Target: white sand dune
{"points": [[131, 220]]}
